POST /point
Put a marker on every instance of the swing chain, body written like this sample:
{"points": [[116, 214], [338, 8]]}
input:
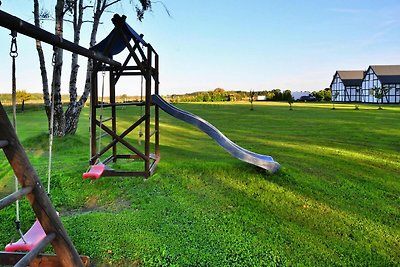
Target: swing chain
{"points": [[13, 47]]}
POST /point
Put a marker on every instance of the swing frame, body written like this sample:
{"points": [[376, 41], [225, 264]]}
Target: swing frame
{"points": [[32, 188]]}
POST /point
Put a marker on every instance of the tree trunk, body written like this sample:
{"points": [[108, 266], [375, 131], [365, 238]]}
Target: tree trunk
{"points": [[42, 63], [75, 107], [59, 118]]}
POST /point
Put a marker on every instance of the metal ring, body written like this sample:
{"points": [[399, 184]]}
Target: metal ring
{"points": [[14, 54]]}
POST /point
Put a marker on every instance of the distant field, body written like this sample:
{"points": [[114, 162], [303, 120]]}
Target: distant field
{"points": [[335, 201]]}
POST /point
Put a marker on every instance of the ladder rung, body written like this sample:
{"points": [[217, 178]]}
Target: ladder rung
{"points": [[107, 119], [101, 136], [35, 251], [14, 196], [152, 133], [3, 143]]}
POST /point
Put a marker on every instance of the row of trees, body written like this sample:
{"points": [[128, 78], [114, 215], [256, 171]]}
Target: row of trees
{"points": [[323, 95], [21, 95], [217, 95], [220, 95]]}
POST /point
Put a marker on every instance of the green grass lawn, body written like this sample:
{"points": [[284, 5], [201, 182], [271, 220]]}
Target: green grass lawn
{"points": [[335, 201]]}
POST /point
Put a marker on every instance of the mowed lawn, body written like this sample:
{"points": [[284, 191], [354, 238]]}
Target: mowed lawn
{"points": [[335, 201]]}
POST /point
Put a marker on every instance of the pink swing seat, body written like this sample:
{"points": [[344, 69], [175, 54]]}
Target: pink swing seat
{"points": [[34, 235], [95, 172]]}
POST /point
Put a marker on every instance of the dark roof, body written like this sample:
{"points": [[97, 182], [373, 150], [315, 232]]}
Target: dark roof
{"points": [[350, 77], [387, 73], [118, 42]]}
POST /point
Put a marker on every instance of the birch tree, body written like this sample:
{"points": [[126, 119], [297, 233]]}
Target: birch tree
{"points": [[67, 122]]}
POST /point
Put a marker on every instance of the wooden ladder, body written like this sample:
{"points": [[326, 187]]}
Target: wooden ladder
{"points": [[32, 189]]}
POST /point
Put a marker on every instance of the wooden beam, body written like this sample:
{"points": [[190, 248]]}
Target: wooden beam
{"points": [[41, 260], [147, 110], [13, 23], [38, 198], [3, 143], [35, 251], [8, 200], [157, 108]]}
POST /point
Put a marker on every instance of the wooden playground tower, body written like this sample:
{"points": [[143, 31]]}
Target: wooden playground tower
{"points": [[145, 65], [143, 62]]}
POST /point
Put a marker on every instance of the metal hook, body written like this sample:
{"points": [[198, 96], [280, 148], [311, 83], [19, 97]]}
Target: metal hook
{"points": [[13, 47]]}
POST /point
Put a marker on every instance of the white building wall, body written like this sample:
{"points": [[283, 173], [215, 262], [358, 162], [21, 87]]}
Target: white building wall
{"points": [[353, 93], [370, 81], [338, 89]]}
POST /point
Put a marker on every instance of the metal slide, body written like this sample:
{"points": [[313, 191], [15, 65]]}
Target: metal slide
{"points": [[262, 161]]}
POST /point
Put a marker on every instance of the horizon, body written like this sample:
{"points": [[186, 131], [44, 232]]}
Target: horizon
{"points": [[183, 93], [264, 46]]}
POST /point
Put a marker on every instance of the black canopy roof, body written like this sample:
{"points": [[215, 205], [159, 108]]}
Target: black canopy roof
{"points": [[115, 42]]}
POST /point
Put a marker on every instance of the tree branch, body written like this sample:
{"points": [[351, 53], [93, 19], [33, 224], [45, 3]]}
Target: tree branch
{"points": [[165, 7], [110, 4]]}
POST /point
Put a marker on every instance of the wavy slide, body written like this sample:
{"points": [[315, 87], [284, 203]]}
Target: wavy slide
{"points": [[262, 161]]}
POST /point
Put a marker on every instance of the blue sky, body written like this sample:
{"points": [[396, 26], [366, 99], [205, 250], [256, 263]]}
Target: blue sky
{"points": [[237, 45]]}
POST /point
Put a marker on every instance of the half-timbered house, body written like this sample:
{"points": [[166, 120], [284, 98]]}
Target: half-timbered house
{"points": [[386, 77], [346, 86]]}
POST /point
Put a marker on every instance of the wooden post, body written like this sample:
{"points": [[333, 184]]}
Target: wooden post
{"points": [[157, 108], [113, 111], [148, 78], [38, 198]]}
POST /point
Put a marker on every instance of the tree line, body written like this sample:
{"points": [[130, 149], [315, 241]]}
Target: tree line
{"points": [[221, 95]]}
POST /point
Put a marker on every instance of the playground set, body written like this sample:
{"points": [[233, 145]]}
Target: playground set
{"points": [[143, 62]]}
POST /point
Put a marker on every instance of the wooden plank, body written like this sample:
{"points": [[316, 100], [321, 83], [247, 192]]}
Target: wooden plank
{"points": [[109, 173], [8, 200], [38, 198], [130, 73], [129, 157], [41, 260]]}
